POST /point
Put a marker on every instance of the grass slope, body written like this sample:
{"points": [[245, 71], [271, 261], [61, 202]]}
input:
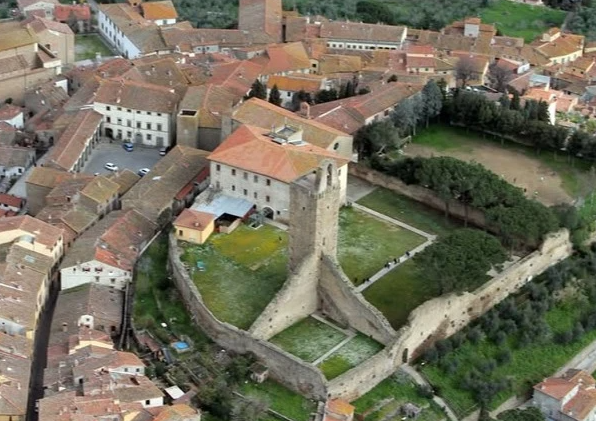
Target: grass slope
{"points": [[280, 399], [356, 351]]}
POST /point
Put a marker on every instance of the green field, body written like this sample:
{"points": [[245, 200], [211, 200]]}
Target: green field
{"points": [[86, 46], [409, 211], [366, 243], [244, 271], [386, 398], [399, 292], [448, 139], [280, 399], [528, 365], [308, 339], [521, 20], [356, 351], [156, 300]]}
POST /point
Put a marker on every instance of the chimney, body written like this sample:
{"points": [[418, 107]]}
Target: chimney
{"points": [[64, 327], [305, 109]]}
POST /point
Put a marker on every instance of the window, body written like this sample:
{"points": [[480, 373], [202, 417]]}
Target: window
{"points": [[119, 121], [339, 172], [148, 126], [112, 280], [108, 120], [119, 108], [233, 187], [255, 178], [148, 112], [245, 175], [233, 171], [289, 94], [108, 108], [267, 199], [180, 233], [126, 369], [138, 112], [255, 195], [268, 182], [147, 402], [138, 370], [148, 136], [159, 126], [138, 124], [129, 111], [97, 279], [128, 134], [159, 114], [245, 192], [217, 167], [128, 123]]}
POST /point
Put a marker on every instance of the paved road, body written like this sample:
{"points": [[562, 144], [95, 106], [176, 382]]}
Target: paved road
{"points": [[417, 377], [114, 153]]}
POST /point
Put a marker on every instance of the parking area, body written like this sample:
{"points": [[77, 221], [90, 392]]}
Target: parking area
{"points": [[113, 152]]}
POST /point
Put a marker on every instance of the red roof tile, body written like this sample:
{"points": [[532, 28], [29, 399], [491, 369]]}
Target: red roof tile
{"points": [[62, 12]]}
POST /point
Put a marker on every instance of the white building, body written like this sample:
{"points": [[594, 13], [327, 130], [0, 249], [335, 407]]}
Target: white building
{"points": [[46, 7], [137, 112], [160, 12], [363, 36], [95, 271], [258, 165], [14, 160]]}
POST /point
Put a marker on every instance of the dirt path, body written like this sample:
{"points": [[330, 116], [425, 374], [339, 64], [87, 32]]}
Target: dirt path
{"points": [[516, 168]]}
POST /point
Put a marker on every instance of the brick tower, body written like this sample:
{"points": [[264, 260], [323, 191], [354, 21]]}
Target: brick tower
{"points": [[261, 16]]}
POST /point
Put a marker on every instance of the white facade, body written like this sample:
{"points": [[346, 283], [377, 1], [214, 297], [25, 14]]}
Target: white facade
{"points": [[46, 7], [94, 272], [12, 171], [265, 192], [10, 208], [17, 121], [152, 403], [147, 128], [138, 370], [116, 37], [161, 22]]}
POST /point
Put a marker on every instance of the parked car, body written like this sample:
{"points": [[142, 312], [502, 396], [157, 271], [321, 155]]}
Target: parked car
{"points": [[128, 147], [143, 171], [163, 151], [111, 167]]}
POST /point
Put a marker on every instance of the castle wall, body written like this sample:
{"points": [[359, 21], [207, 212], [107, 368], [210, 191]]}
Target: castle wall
{"points": [[443, 316], [296, 300], [342, 303], [292, 372]]}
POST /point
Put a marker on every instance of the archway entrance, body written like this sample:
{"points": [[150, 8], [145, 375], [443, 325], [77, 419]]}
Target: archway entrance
{"points": [[268, 212]]}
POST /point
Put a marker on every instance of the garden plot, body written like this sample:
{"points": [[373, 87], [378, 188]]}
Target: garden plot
{"points": [[357, 350]]}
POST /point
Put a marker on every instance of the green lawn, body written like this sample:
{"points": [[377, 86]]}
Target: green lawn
{"points": [[356, 351], [386, 398], [280, 399], [409, 211], [443, 138], [87, 45], [366, 243], [528, 365], [244, 271], [308, 339], [521, 20], [157, 301], [399, 292]]}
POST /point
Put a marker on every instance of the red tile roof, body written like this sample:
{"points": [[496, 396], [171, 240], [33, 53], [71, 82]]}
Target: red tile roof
{"points": [[249, 148], [10, 200], [80, 11], [190, 218], [9, 111], [157, 10]]}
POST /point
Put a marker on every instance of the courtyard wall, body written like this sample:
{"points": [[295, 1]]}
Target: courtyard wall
{"points": [[285, 368]]}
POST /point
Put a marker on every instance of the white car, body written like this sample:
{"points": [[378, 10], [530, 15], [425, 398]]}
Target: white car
{"points": [[111, 167], [143, 171]]}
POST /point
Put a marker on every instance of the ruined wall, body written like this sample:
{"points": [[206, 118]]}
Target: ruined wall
{"points": [[294, 373], [443, 316], [419, 194], [296, 300], [342, 303]]}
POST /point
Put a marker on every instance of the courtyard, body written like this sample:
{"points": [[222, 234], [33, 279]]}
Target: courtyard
{"points": [[553, 177], [280, 399], [88, 45], [106, 152]]}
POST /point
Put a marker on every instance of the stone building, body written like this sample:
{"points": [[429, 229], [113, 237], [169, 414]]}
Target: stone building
{"points": [[571, 397], [264, 16]]}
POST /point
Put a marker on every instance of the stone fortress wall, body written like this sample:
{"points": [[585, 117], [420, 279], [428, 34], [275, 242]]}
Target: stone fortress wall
{"points": [[317, 283]]}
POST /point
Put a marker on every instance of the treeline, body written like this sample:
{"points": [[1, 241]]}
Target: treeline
{"points": [[516, 323], [517, 220]]}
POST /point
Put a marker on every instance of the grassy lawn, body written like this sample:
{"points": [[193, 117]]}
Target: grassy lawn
{"points": [[443, 138], [521, 20], [157, 301], [356, 351], [528, 365], [280, 399], [366, 243], [87, 45], [388, 396], [243, 272], [399, 292], [308, 339], [409, 211]]}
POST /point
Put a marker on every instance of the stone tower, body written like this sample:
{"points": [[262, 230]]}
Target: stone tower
{"points": [[261, 16], [314, 212]]}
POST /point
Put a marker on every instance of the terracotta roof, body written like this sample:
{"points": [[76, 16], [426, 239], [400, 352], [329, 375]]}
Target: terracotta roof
{"points": [[339, 407], [38, 25], [43, 233], [210, 101], [419, 62], [100, 189], [249, 148], [15, 37], [74, 140], [159, 71], [235, 77], [125, 180], [137, 96], [15, 156], [5, 127], [10, 200], [337, 63], [420, 49], [539, 94], [9, 111], [16, 344], [62, 12], [178, 412], [13, 387], [564, 45], [13, 64], [362, 32], [308, 83], [26, 3], [263, 114], [283, 58], [194, 219], [156, 10]]}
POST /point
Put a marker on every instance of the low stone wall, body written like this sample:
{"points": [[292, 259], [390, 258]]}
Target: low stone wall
{"points": [[420, 194], [294, 373]]}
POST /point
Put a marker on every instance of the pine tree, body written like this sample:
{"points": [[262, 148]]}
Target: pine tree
{"points": [[515, 102], [275, 96], [257, 90]]}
